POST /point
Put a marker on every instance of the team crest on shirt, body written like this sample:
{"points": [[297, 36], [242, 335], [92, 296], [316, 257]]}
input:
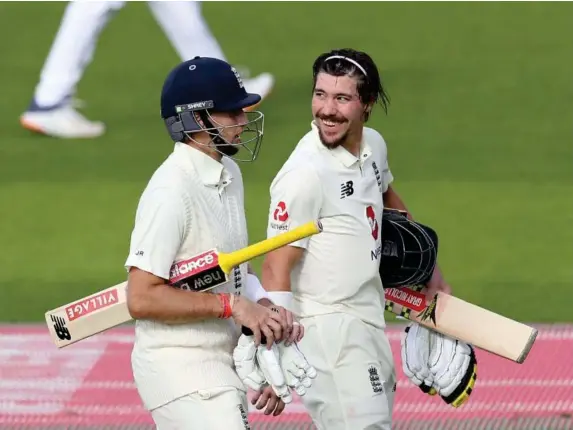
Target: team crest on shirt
{"points": [[375, 231], [280, 217]]}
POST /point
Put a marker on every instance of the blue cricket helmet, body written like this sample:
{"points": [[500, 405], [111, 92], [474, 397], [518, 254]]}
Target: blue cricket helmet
{"points": [[202, 85]]}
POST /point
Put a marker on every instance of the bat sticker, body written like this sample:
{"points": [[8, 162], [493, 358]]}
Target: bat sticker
{"points": [[430, 311]]}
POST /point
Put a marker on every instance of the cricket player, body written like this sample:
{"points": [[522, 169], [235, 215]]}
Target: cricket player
{"points": [[339, 171], [182, 359], [53, 108]]}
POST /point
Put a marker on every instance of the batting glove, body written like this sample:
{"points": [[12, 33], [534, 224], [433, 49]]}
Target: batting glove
{"points": [[245, 357], [297, 370], [454, 366], [269, 363], [439, 364], [415, 353]]}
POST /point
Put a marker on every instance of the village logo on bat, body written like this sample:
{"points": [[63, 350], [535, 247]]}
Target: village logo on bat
{"points": [[430, 311]]}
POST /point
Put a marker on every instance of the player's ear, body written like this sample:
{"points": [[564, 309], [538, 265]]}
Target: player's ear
{"points": [[367, 110]]}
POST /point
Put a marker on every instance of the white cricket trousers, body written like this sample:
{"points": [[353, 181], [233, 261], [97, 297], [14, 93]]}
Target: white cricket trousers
{"points": [[221, 408], [356, 381], [75, 42]]}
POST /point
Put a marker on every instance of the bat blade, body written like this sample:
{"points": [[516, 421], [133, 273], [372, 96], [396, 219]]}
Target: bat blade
{"points": [[464, 321], [88, 316], [106, 309]]}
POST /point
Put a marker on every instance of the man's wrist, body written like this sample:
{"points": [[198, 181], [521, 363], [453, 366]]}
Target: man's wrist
{"points": [[282, 298]]}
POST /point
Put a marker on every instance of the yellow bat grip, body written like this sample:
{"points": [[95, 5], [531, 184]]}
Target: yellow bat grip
{"points": [[232, 259]]}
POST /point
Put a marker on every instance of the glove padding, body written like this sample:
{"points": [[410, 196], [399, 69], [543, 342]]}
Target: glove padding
{"points": [[269, 363], [454, 366], [439, 364], [245, 357], [297, 370], [415, 353]]}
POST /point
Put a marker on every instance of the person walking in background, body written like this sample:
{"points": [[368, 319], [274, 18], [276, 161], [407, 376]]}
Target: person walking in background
{"points": [[53, 110]]}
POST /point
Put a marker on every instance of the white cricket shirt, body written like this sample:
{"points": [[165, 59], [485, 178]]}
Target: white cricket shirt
{"points": [[339, 270], [191, 204]]}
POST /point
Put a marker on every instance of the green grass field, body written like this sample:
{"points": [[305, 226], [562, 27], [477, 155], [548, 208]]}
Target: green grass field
{"points": [[479, 135]]}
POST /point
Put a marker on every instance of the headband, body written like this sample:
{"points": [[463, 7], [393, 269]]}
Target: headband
{"points": [[350, 60]]}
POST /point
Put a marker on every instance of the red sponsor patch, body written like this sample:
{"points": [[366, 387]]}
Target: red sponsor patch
{"points": [[199, 263], [406, 297], [371, 215], [280, 214], [91, 304]]}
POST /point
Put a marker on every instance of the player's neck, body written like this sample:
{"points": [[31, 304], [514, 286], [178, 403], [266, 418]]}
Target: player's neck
{"points": [[205, 148], [353, 142]]}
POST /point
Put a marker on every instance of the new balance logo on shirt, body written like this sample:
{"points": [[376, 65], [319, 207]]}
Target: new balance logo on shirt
{"points": [[346, 189]]}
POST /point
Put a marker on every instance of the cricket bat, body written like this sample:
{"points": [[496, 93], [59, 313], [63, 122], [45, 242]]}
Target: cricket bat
{"points": [[464, 321], [105, 309]]}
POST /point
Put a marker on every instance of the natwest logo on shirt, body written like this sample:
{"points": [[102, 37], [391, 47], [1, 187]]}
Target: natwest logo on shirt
{"points": [[375, 231], [280, 214], [184, 269], [371, 215], [280, 217]]}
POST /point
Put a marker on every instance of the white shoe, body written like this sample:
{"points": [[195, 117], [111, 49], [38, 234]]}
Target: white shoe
{"points": [[63, 122], [261, 84]]}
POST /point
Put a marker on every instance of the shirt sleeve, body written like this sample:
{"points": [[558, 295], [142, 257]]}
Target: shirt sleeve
{"points": [[387, 177], [158, 233], [296, 198]]}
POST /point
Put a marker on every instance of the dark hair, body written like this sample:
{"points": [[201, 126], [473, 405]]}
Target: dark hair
{"points": [[370, 89]]}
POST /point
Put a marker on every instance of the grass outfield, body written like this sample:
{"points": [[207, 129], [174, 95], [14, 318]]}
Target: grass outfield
{"points": [[479, 135]]}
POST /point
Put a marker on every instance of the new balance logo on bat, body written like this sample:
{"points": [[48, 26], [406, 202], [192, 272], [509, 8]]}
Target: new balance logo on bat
{"points": [[346, 189], [60, 328], [202, 281]]}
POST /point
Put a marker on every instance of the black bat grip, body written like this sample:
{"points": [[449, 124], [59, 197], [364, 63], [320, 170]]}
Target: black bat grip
{"points": [[248, 332]]}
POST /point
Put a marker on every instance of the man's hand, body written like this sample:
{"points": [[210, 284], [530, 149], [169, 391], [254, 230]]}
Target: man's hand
{"points": [[293, 331], [260, 319], [267, 397], [437, 284]]}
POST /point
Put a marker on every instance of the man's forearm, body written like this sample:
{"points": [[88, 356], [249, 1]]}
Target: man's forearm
{"points": [[173, 306], [275, 278], [392, 200]]}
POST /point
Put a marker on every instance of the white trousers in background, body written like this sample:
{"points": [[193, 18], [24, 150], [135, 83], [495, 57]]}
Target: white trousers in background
{"points": [[222, 408], [75, 42], [356, 380]]}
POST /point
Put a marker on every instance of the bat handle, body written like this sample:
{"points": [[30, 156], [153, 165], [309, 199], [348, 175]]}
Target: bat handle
{"points": [[233, 259], [248, 332]]}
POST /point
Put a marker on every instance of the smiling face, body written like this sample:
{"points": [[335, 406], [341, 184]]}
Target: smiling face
{"points": [[338, 111]]}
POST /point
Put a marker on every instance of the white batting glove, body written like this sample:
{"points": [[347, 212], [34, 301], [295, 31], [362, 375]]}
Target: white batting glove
{"points": [[454, 366], [297, 370], [415, 353], [245, 357], [269, 363], [439, 364]]}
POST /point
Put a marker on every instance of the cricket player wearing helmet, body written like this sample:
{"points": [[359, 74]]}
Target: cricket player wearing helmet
{"points": [[339, 172], [185, 357]]}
